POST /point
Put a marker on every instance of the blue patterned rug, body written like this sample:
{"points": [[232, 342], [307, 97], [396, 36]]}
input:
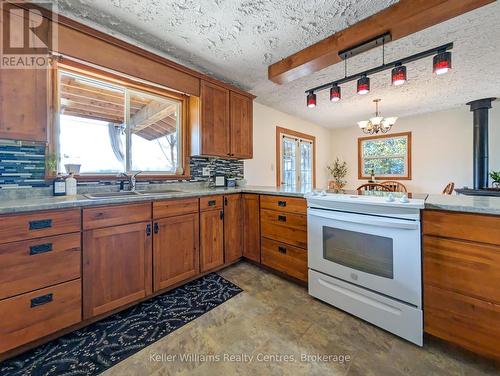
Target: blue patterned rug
{"points": [[99, 346]]}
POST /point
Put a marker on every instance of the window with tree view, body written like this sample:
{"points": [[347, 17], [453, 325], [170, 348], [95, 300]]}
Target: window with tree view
{"points": [[107, 128], [387, 156]]}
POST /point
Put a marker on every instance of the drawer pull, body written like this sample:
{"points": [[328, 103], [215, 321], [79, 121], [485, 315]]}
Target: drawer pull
{"points": [[281, 218], [40, 224], [148, 229], [282, 203], [41, 248], [41, 300], [211, 203], [281, 249]]}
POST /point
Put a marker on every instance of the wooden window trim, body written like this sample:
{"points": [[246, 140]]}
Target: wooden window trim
{"points": [[280, 130], [393, 135], [128, 82]]}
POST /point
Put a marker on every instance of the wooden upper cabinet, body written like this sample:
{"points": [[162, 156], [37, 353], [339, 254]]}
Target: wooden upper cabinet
{"points": [[251, 227], [23, 100], [175, 250], [233, 236], [241, 115], [117, 267], [221, 123]]}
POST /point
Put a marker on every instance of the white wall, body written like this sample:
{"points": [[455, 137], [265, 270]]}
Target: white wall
{"points": [[442, 148], [261, 170]]}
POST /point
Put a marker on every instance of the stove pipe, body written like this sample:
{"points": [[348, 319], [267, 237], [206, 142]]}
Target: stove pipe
{"points": [[480, 110]]}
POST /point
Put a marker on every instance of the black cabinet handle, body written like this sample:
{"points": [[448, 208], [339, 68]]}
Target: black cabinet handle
{"points": [[148, 229], [41, 300], [211, 203], [225, 201], [40, 224], [157, 228], [282, 203], [281, 249], [281, 218], [221, 215], [41, 248]]}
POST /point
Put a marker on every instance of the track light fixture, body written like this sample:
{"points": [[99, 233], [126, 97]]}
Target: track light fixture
{"points": [[441, 65], [311, 100], [335, 93]]}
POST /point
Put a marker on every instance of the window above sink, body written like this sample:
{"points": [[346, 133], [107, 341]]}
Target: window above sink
{"points": [[109, 125]]}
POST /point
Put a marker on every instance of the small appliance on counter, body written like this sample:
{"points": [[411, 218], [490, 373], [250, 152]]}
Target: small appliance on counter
{"points": [[220, 181], [230, 182]]}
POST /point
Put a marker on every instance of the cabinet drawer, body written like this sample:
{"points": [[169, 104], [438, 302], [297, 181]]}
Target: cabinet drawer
{"points": [[468, 268], [106, 216], [34, 264], [171, 208], [210, 202], [285, 204], [39, 224], [464, 226], [468, 322], [34, 315], [285, 258], [285, 227]]}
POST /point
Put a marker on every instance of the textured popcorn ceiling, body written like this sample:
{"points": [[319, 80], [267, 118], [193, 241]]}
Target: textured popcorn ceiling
{"points": [[235, 41]]}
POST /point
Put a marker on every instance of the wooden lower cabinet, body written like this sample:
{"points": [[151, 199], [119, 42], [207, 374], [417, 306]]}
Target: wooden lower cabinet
{"points": [[233, 237], [28, 317], [211, 239], [175, 250], [251, 226], [117, 267]]}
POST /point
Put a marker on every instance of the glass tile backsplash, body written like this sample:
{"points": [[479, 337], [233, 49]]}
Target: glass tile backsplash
{"points": [[22, 164], [217, 166]]}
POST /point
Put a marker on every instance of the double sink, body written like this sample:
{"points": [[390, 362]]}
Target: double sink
{"points": [[104, 195]]}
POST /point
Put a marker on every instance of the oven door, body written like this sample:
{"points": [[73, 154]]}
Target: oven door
{"points": [[378, 253]]}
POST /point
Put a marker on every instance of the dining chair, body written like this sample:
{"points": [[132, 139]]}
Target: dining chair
{"points": [[448, 190], [395, 186], [374, 187]]}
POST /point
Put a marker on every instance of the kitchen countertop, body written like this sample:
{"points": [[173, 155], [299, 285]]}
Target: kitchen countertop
{"points": [[462, 203], [10, 206], [458, 203]]}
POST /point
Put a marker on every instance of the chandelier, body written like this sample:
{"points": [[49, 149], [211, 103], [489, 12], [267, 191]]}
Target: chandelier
{"points": [[377, 123]]}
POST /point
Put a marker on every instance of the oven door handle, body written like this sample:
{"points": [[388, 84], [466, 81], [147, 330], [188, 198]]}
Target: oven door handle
{"points": [[365, 219]]}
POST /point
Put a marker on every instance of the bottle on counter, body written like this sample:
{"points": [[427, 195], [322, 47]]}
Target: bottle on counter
{"points": [[59, 186], [71, 184]]}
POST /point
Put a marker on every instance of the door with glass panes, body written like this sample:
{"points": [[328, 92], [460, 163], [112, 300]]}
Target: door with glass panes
{"points": [[296, 161]]}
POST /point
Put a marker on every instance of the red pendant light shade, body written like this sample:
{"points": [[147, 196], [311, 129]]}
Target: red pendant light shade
{"points": [[311, 100], [363, 85], [335, 94], [398, 75], [442, 62]]}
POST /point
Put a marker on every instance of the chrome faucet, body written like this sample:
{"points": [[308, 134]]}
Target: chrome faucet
{"points": [[131, 180]]}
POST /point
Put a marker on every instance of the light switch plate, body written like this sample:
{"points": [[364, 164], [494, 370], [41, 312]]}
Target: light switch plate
{"points": [[206, 171]]}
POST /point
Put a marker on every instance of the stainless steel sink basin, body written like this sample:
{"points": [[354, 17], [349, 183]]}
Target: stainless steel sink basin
{"points": [[165, 191], [111, 194]]}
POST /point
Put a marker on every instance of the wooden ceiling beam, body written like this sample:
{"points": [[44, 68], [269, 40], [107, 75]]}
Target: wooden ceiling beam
{"points": [[401, 19]]}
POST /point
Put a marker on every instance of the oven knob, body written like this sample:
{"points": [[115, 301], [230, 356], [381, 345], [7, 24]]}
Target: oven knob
{"points": [[354, 276], [404, 199]]}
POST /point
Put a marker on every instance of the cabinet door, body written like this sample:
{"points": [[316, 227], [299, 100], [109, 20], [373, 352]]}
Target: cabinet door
{"points": [[251, 227], [241, 115], [117, 267], [175, 250], [211, 239], [23, 99], [233, 241], [215, 134]]}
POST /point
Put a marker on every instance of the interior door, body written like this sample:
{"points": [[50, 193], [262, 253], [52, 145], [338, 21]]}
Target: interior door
{"points": [[241, 126], [211, 239], [215, 120], [117, 267], [232, 228], [175, 250]]}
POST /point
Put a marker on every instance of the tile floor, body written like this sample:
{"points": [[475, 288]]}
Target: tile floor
{"points": [[276, 318]]}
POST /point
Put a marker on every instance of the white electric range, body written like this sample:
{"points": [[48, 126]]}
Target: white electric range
{"points": [[364, 257]]}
